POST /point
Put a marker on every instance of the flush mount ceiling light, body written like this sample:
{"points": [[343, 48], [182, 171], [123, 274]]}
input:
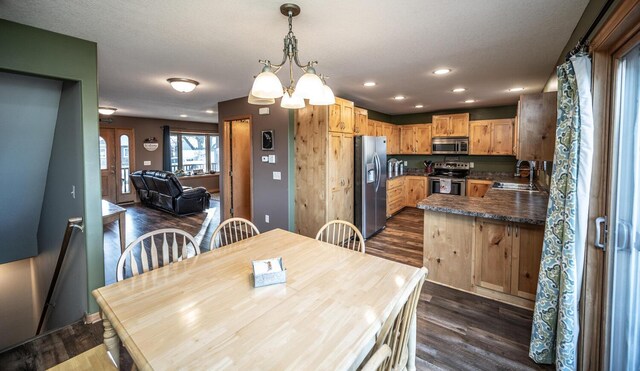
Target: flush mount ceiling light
{"points": [[399, 97], [369, 84], [183, 115], [419, 106], [107, 110], [470, 101], [210, 111], [309, 86], [442, 71], [459, 90], [183, 85], [516, 89]]}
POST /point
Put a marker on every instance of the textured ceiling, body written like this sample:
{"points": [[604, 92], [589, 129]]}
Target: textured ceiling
{"points": [[491, 45]]}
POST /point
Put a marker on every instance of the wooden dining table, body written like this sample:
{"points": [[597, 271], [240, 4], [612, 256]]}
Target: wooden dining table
{"points": [[204, 312]]}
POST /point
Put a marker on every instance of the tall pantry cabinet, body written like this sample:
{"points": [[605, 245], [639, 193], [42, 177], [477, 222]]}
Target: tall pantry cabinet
{"points": [[324, 151]]}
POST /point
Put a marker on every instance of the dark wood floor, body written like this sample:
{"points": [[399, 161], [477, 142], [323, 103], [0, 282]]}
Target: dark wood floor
{"points": [[456, 330]]}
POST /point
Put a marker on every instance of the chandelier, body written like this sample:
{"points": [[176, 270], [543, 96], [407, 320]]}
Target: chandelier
{"points": [[267, 86]]}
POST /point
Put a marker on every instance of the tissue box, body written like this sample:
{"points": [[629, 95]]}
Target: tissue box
{"points": [[268, 272]]}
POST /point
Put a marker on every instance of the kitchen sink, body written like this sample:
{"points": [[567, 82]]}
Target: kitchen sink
{"points": [[515, 187]]}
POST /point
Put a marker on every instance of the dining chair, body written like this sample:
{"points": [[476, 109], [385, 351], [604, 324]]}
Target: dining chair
{"points": [[343, 234], [156, 249], [391, 349], [232, 230]]}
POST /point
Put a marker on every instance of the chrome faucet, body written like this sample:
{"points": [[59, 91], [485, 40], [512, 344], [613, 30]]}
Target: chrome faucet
{"points": [[532, 169]]}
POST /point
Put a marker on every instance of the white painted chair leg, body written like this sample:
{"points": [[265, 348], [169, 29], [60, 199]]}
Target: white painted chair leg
{"points": [[411, 362]]}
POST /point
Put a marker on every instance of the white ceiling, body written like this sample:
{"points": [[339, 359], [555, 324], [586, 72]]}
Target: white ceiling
{"points": [[491, 45]]}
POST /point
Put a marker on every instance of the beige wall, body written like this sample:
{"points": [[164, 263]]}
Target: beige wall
{"points": [[150, 127], [18, 313]]}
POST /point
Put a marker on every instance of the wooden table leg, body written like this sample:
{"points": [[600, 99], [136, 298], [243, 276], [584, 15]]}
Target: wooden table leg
{"points": [[123, 233], [411, 362], [111, 340]]}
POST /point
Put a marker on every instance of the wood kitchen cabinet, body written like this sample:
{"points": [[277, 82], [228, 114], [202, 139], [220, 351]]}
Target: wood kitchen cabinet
{"points": [[491, 137], [535, 131], [415, 139], [415, 189], [360, 121], [341, 116], [371, 127], [393, 140], [396, 198], [507, 257], [456, 125], [478, 187]]}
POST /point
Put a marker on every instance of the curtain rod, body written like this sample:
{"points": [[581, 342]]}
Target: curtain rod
{"points": [[583, 42]]}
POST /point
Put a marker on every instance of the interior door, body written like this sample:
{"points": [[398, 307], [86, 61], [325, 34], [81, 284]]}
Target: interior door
{"points": [[125, 163], [108, 164], [237, 190]]}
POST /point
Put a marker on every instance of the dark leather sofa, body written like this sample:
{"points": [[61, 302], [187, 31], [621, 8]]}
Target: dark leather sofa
{"points": [[162, 190]]}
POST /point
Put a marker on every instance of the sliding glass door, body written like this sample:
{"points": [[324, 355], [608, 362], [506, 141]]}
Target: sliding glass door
{"points": [[623, 345]]}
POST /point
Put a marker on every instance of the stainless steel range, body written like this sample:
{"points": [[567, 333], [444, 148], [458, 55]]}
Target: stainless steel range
{"points": [[449, 177]]}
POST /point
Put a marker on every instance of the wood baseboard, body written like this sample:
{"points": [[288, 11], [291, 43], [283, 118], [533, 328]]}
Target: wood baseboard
{"points": [[90, 318]]}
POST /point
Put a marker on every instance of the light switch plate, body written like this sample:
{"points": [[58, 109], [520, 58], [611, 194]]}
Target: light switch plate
{"points": [[471, 165], [263, 110], [406, 163], [272, 159], [147, 163], [265, 158], [266, 218], [277, 175]]}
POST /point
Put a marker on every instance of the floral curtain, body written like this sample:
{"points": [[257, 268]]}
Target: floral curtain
{"points": [[555, 329]]}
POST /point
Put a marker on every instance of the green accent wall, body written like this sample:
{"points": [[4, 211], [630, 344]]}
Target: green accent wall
{"points": [[483, 113], [379, 116], [33, 51], [499, 164]]}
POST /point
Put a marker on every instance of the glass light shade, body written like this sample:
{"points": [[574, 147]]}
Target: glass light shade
{"points": [[107, 110], [325, 99], [183, 85], [308, 86], [291, 102], [260, 101], [267, 85]]}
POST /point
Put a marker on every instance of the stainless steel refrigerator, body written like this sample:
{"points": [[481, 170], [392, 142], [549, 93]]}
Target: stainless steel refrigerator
{"points": [[370, 184]]}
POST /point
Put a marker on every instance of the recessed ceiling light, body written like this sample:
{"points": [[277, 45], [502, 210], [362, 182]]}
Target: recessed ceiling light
{"points": [[183, 85], [470, 101], [183, 115], [442, 71], [516, 89], [107, 110], [399, 97], [419, 106], [209, 111], [459, 90], [369, 83]]}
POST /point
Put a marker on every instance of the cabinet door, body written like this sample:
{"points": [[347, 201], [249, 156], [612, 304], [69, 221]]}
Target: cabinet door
{"points": [[347, 116], [527, 251], [477, 188], [493, 243], [416, 189], [423, 139], [371, 127], [407, 139], [459, 125], [393, 145], [379, 129], [360, 116], [537, 126], [501, 137], [346, 174], [335, 117], [333, 162], [441, 126], [480, 138], [386, 131]]}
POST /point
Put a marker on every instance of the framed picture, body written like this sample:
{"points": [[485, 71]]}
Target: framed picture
{"points": [[267, 140]]}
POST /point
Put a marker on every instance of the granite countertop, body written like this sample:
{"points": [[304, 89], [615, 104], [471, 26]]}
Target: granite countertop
{"points": [[511, 206]]}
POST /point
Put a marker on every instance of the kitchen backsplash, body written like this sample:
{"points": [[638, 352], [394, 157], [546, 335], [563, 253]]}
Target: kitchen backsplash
{"points": [[498, 164]]}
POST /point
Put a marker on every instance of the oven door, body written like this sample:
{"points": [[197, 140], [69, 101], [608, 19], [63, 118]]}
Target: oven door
{"points": [[458, 187]]}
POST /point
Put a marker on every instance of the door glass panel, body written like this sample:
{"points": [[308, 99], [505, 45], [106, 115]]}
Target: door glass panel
{"points": [[125, 186], [103, 154], [624, 301], [194, 152], [175, 164], [215, 153]]}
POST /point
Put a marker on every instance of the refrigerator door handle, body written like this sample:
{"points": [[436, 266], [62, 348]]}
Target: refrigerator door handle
{"points": [[377, 164]]}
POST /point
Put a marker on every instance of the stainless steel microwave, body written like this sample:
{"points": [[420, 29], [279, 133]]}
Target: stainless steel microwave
{"points": [[450, 146]]}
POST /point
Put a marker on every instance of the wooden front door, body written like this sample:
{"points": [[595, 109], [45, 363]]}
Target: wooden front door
{"points": [[117, 161], [237, 172]]}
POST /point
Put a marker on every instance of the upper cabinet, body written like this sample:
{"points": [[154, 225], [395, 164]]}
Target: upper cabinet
{"points": [[536, 127], [456, 125], [341, 116], [491, 137], [415, 139], [360, 121], [384, 129]]}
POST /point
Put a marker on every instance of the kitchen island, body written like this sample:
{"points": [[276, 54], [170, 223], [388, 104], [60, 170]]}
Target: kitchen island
{"points": [[490, 245]]}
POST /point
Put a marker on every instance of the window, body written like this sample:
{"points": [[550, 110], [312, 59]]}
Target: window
{"points": [[103, 154], [195, 151]]}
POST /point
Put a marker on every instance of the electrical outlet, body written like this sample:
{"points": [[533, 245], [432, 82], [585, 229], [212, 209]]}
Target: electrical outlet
{"points": [[406, 163], [266, 218], [265, 158], [277, 175], [471, 165], [272, 159], [147, 163], [263, 111]]}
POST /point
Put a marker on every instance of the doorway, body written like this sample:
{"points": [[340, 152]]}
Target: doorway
{"points": [[117, 160], [238, 167]]}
